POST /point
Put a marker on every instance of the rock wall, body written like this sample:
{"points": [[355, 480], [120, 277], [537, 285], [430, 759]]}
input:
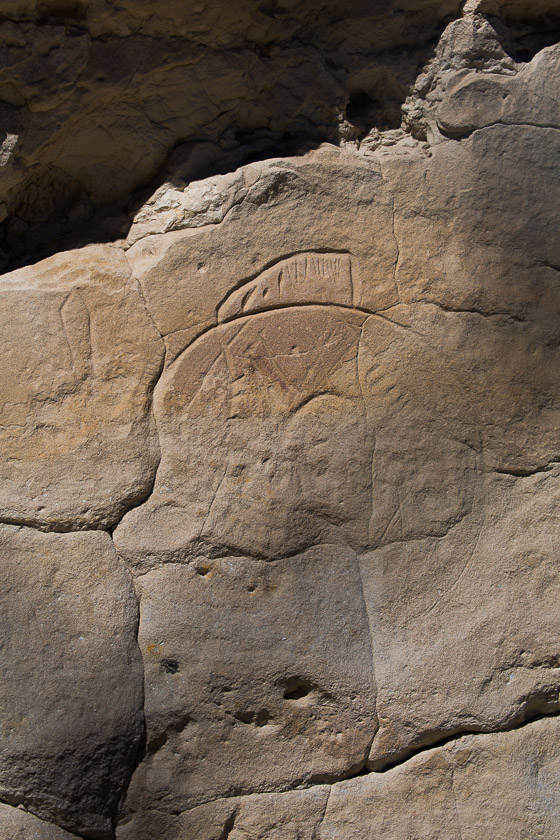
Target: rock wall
{"points": [[280, 420]]}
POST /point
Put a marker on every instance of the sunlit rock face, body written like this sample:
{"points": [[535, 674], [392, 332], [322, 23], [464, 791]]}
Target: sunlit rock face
{"points": [[279, 421]]}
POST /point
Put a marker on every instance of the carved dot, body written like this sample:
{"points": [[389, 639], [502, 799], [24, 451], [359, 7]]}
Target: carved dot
{"points": [[253, 718], [170, 665], [297, 689]]}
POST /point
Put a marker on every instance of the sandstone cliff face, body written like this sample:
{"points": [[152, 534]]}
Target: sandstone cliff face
{"points": [[280, 412]]}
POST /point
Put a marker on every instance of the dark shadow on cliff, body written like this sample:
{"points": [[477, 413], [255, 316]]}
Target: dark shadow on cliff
{"points": [[111, 222], [91, 108], [94, 124]]}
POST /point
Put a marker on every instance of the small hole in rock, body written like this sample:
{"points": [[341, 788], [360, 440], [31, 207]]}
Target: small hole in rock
{"points": [[170, 665], [202, 570], [254, 718], [359, 104], [297, 689]]}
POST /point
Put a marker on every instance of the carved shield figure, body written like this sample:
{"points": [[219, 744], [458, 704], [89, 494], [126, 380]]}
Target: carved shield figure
{"points": [[299, 420]]}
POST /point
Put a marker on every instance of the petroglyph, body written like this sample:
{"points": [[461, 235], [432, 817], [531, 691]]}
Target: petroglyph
{"points": [[268, 426]]}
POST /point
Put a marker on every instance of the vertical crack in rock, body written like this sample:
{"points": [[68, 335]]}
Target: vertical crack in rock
{"points": [[228, 827], [140, 747]]}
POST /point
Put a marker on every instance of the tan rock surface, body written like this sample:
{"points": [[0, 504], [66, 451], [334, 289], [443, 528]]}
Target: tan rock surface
{"points": [[292, 815], [288, 382], [309, 393], [187, 274], [478, 101], [503, 786], [465, 649], [16, 824], [422, 470], [80, 356], [71, 688], [242, 660]]}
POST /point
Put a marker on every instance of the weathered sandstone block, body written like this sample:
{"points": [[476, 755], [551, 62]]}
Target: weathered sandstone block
{"points": [[503, 786], [71, 687], [242, 660], [18, 824], [80, 356]]}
